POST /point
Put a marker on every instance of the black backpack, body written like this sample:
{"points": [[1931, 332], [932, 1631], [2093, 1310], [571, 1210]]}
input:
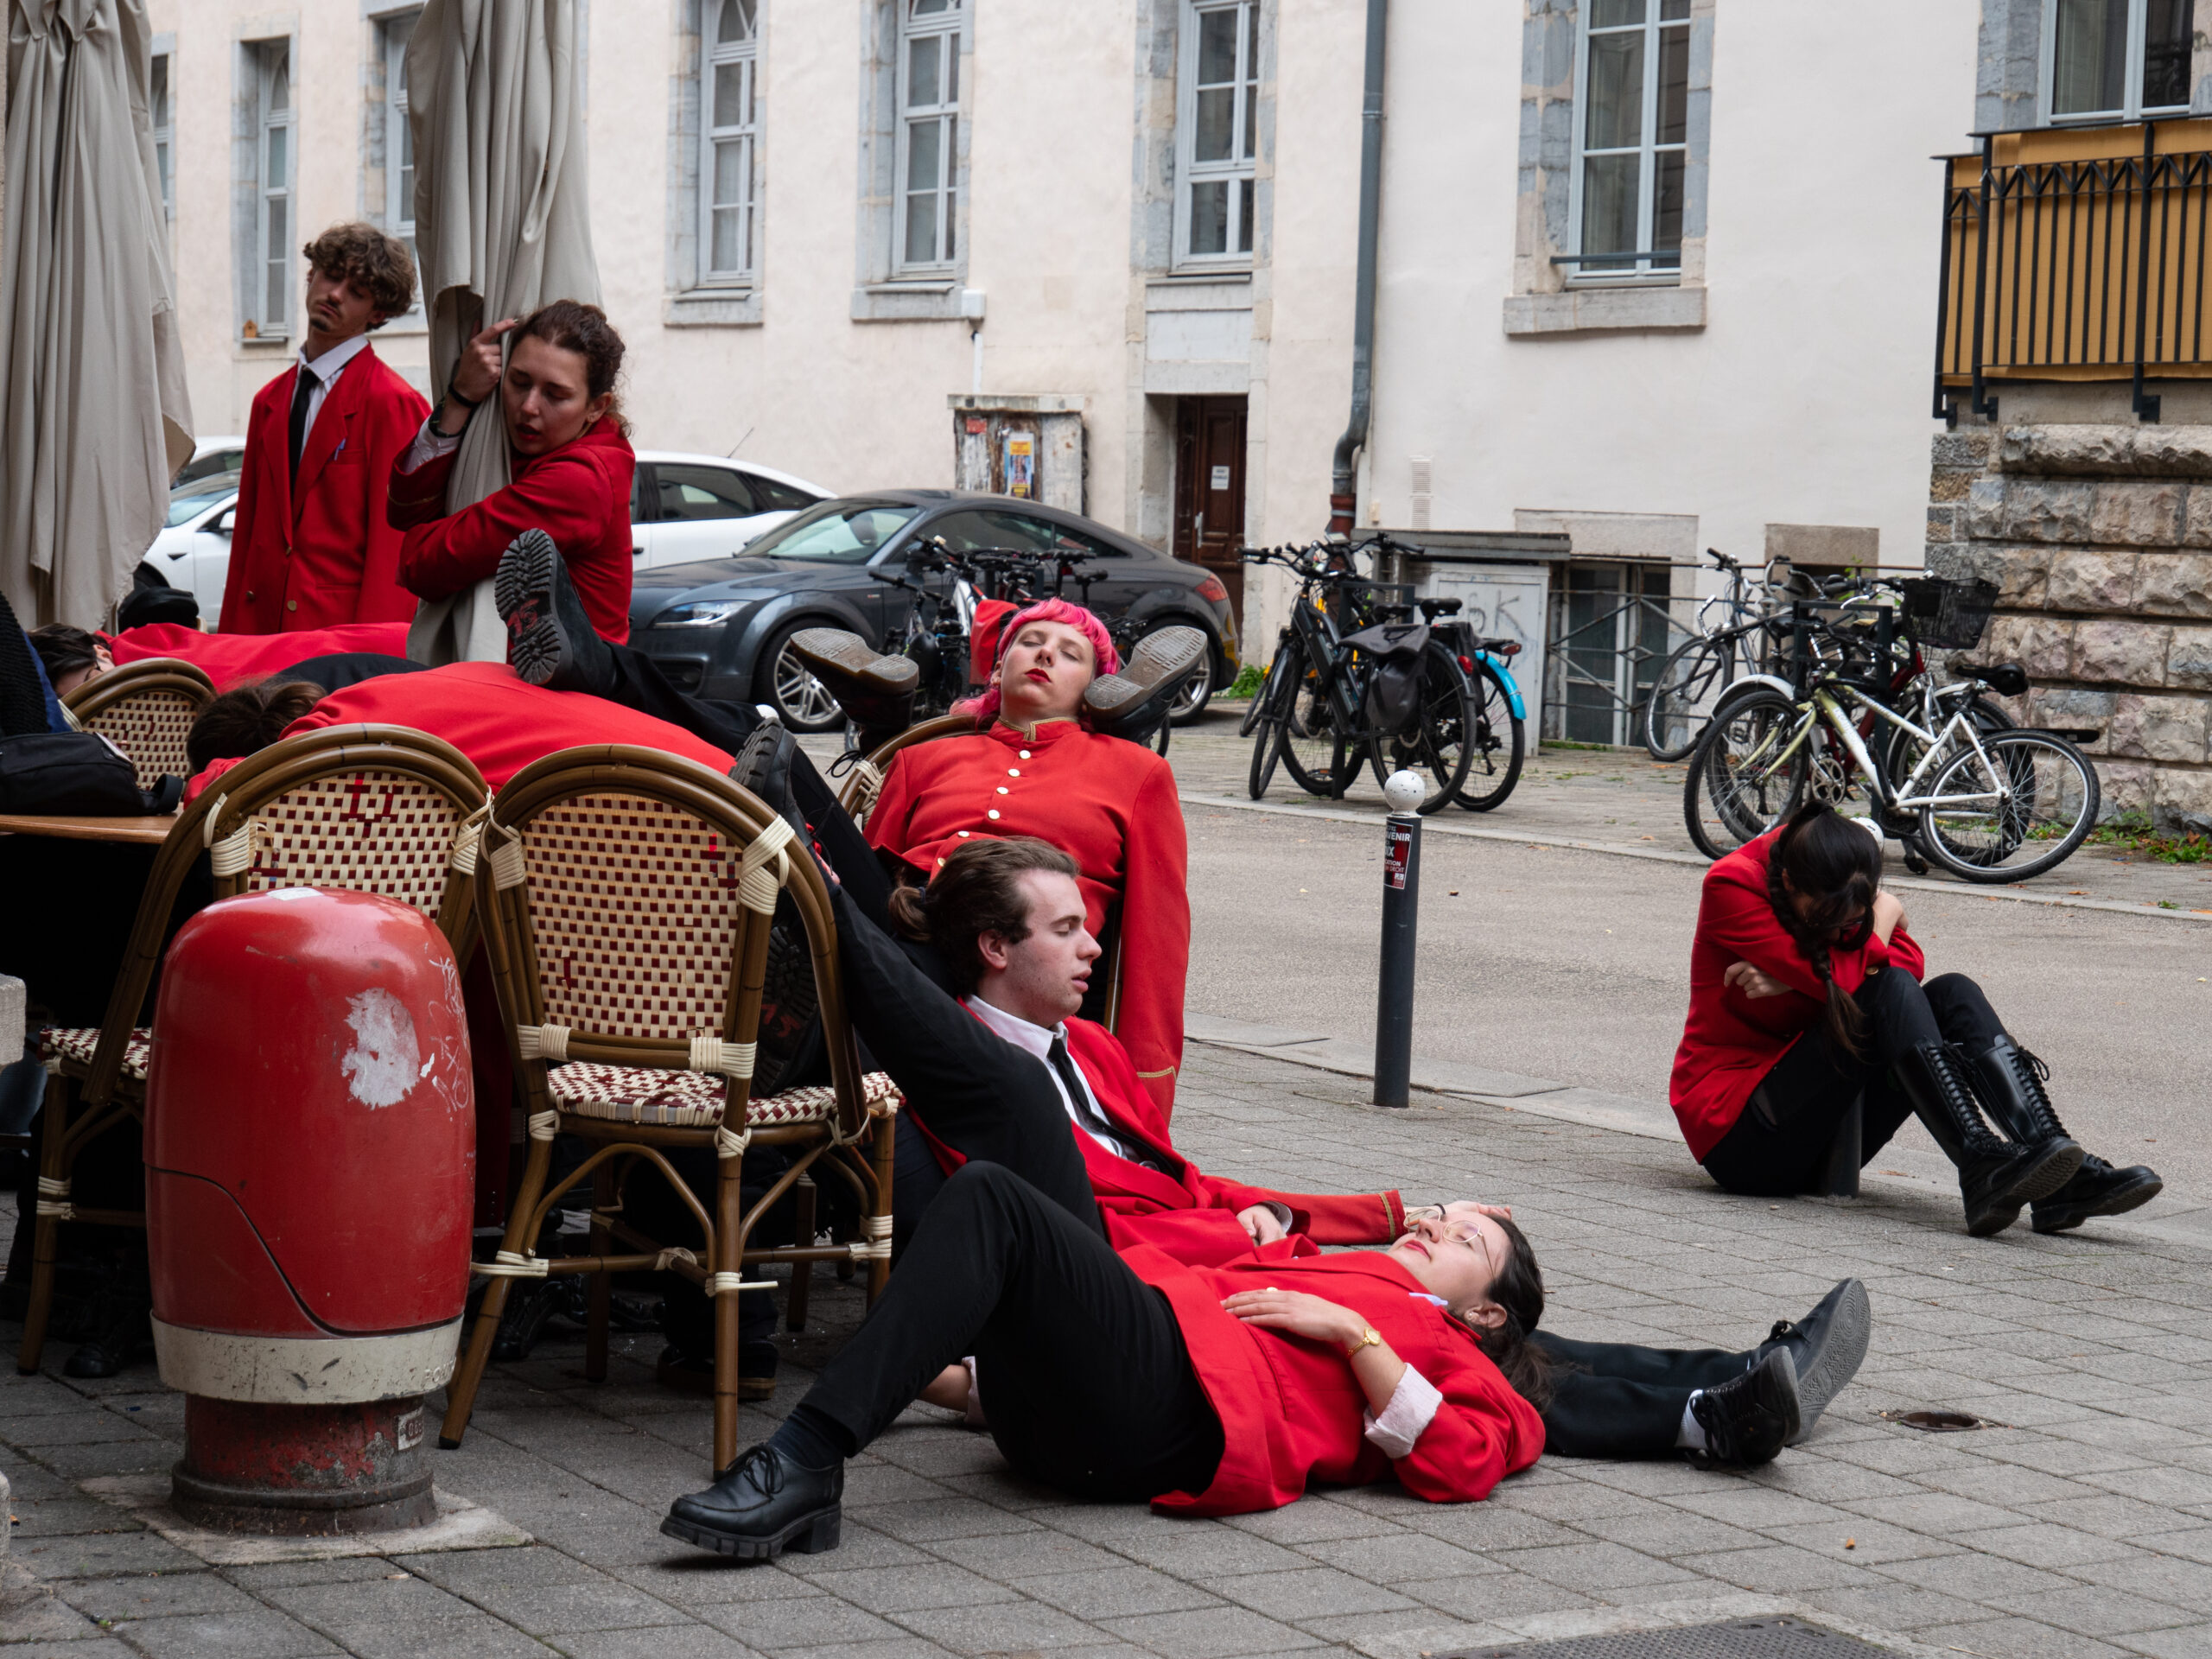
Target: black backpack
{"points": [[77, 774]]}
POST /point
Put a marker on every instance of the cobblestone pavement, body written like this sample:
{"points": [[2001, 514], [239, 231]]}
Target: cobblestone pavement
{"points": [[2078, 1524]]}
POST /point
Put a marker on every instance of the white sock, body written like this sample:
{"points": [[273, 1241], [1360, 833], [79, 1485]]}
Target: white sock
{"points": [[1691, 1435]]}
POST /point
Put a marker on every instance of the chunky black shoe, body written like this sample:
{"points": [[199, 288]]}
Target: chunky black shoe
{"points": [[875, 691], [1750, 1418], [1996, 1176], [531, 1306], [550, 640], [125, 1334], [1132, 703], [762, 1506], [1827, 1348], [2097, 1189]]}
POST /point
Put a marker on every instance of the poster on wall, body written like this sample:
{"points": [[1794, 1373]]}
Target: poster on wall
{"points": [[1021, 465]]}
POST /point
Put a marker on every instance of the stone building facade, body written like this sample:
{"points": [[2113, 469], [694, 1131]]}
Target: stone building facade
{"points": [[2100, 536]]}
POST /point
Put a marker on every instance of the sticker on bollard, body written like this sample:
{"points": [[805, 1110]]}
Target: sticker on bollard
{"points": [[1397, 852]]}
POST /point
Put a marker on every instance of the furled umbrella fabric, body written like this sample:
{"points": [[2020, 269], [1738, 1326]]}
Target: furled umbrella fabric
{"points": [[501, 226], [91, 371]]}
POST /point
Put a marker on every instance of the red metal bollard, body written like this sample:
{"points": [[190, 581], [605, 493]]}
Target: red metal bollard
{"points": [[310, 1148]]}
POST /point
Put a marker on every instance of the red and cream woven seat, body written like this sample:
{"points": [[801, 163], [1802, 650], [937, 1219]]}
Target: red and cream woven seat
{"points": [[69, 1049], [694, 1100], [145, 709]]}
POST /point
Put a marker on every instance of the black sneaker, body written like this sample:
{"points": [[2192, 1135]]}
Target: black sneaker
{"points": [[550, 640], [1132, 703], [1750, 1418], [1827, 1347], [2096, 1189], [762, 1506]]}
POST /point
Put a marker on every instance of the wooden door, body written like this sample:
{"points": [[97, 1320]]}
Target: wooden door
{"points": [[1210, 435]]}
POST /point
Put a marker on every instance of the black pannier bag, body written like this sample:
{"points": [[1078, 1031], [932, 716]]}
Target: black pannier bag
{"points": [[1394, 692]]}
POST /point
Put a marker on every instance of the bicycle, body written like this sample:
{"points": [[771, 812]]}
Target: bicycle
{"points": [[1698, 672], [1994, 806], [1338, 697]]}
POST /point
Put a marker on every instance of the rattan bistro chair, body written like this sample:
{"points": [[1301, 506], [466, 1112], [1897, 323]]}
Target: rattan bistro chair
{"points": [[374, 809], [144, 708], [626, 897]]}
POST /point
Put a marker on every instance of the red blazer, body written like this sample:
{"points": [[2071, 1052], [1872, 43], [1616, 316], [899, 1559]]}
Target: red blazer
{"points": [[1731, 1041], [232, 660], [1292, 1410], [579, 494], [1110, 803], [326, 555], [501, 723]]}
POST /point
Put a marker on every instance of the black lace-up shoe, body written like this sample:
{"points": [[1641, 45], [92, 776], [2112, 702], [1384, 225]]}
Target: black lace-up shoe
{"points": [[550, 640], [2097, 1189], [875, 691], [762, 1506], [1827, 1347], [1132, 703], [1750, 1418]]}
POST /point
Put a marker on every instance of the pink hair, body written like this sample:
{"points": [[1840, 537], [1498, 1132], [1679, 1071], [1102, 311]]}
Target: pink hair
{"points": [[985, 706]]}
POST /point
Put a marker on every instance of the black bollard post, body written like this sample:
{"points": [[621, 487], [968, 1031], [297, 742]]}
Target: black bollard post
{"points": [[1394, 1006]]}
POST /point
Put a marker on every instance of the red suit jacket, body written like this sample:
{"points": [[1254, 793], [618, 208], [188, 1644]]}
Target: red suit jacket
{"points": [[579, 494], [1732, 1040], [1291, 1409], [1110, 803], [326, 555], [232, 660]]}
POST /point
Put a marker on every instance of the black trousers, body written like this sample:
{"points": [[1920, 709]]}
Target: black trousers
{"points": [[1081, 1365], [1777, 1145], [1615, 1400]]}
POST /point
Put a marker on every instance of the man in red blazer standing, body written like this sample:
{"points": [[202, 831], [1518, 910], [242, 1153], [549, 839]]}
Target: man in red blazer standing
{"points": [[310, 546]]}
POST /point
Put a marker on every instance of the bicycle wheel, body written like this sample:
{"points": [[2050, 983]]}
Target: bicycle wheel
{"points": [[1263, 699], [2019, 812], [1685, 695], [1438, 749], [1748, 773], [1907, 751], [1497, 746], [1313, 747]]}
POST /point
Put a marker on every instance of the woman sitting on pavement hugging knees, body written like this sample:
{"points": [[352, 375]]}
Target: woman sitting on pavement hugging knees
{"points": [[1806, 999]]}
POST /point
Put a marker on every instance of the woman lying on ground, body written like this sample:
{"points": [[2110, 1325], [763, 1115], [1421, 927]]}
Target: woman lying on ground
{"points": [[1806, 999]]}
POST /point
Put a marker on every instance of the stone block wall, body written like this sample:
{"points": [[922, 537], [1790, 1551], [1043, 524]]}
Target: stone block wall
{"points": [[2100, 537]]}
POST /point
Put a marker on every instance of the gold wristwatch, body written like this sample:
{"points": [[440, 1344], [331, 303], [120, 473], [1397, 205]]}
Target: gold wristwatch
{"points": [[1372, 1339]]}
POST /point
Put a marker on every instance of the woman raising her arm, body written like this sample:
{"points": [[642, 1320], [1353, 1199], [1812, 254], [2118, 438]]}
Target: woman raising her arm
{"points": [[1806, 997]]}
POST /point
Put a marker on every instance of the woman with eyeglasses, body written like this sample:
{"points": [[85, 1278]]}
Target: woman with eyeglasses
{"points": [[1807, 997]]}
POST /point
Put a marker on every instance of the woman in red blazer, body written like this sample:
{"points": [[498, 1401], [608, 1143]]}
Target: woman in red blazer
{"points": [[1032, 768], [571, 473], [1213, 1391], [1806, 998]]}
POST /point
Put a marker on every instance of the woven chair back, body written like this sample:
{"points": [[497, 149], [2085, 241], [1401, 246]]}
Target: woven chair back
{"points": [[145, 709]]}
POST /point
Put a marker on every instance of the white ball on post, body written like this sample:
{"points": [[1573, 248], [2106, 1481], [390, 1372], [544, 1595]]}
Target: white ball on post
{"points": [[1405, 791]]}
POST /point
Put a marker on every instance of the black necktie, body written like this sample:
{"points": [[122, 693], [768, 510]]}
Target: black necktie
{"points": [[303, 389], [1087, 1112]]}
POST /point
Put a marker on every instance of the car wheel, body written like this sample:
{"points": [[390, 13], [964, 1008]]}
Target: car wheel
{"points": [[801, 702]]}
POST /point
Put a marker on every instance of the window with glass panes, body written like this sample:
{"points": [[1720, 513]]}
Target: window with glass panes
{"points": [[928, 124], [2117, 59], [729, 132], [398, 136], [164, 125], [1217, 129], [1633, 137], [274, 229]]}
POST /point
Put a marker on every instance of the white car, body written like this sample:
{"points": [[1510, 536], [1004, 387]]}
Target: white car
{"points": [[209, 457], [682, 508]]}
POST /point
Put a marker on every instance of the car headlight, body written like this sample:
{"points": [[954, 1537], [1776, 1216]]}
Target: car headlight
{"points": [[704, 613]]}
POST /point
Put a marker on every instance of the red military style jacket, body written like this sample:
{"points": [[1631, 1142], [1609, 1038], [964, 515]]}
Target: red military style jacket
{"points": [[1112, 806], [1731, 1040], [1292, 1412], [579, 494], [324, 555], [232, 660]]}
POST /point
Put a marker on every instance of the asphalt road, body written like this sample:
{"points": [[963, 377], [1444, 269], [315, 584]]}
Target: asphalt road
{"points": [[1572, 966]]}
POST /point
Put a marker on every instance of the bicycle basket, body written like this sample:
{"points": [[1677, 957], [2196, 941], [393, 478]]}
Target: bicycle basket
{"points": [[1950, 615]]}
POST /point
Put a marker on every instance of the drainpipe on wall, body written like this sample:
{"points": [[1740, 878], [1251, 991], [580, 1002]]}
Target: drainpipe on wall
{"points": [[1344, 483]]}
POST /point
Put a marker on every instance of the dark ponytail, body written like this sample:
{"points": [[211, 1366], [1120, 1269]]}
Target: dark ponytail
{"points": [[1829, 859], [1519, 1289]]}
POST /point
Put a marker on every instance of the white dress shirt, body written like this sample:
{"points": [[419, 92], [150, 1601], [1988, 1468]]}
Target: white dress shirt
{"points": [[1038, 1040], [321, 373], [429, 445]]}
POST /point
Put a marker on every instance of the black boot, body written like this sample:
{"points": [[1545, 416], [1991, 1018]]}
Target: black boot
{"points": [[1132, 703], [763, 1504], [125, 1332], [1996, 1177], [2009, 1081], [1826, 1346], [1750, 1418], [550, 640], [876, 692]]}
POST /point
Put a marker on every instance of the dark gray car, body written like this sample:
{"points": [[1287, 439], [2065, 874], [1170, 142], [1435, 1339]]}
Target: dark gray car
{"points": [[719, 628]]}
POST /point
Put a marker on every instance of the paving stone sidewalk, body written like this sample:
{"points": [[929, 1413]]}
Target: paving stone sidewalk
{"points": [[2081, 1526]]}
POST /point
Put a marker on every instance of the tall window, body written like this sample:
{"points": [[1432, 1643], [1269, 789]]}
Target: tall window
{"points": [[164, 123], [1217, 129], [273, 228], [929, 131], [1633, 137], [729, 131], [2117, 59], [398, 135]]}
